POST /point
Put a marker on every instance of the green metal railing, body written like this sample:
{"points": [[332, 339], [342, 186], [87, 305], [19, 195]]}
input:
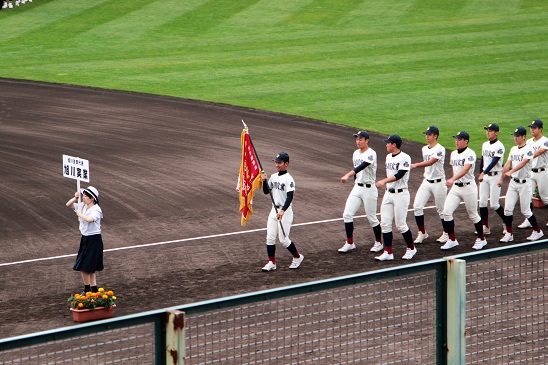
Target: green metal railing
{"points": [[26, 349]]}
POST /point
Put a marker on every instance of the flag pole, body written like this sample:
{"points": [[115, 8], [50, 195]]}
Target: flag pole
{"points": [[262, 170]]}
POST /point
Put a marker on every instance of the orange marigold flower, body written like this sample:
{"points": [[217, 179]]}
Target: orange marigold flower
{"points": [[110, 292], [80, 305], [105, 296]]}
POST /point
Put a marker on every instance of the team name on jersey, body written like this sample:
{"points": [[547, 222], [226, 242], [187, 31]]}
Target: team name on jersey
{"points": [[359, 161], [520, 157], [279, 186], [461, 161], [395, 165], [487, 153], [427, 157]]}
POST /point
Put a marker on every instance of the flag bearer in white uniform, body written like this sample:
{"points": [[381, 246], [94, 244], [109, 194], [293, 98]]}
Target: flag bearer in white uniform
{"points": [[518, 169], [281, 186], [490, 171], [363, 193], [464, 188], [396, 198], [539, 167], [433, 156]]}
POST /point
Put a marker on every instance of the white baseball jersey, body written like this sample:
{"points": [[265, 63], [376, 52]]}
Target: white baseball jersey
{"points": [[435, 171], [489, 191], [401, 161], [467, 193], [364, 190], [430, 186], [369, 174], [280, 185], [394, 205], [540, 178], [458, 160], [542, 160], [519, 190], [516, 156], [489, 151]]}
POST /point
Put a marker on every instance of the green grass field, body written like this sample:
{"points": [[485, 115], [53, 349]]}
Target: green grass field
{"points": [[390, 66]]}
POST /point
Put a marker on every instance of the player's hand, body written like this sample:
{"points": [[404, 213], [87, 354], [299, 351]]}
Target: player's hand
{"points": [[499, 184], [379, 184], [413, 166], [449, 182], [344, 179], [280, 214], [508, 174], [480, 177], [264, 176], [76, 195]]}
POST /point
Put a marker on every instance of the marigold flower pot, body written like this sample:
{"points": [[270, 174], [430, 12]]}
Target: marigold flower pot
{"points": [[87, 315], [537, 202]]}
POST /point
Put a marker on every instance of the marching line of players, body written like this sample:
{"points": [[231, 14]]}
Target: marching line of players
{"points": [[526, 168]]}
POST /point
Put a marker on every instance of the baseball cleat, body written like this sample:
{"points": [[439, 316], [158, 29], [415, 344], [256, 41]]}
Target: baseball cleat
{"points": [[347, 247], [535, 235], [525, 224], [385, 256], [377, 247], [421, 237], [449, 244], [479, 244], [508, 237], [409, 253], [296, 262], [443, 238], [270, 266]]}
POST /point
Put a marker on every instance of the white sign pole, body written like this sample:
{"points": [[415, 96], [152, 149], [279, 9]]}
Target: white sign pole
{"points": [[78, 190]]}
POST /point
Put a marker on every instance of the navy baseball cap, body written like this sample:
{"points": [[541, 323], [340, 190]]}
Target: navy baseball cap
{"points": [[281, 157], [520, 131], [537, 123], [394, 139], [362, 134], [462, 135], [492, 127], [432, 130]]}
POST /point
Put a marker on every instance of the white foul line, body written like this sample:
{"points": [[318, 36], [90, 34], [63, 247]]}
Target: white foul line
{"points": [[187, 239]]}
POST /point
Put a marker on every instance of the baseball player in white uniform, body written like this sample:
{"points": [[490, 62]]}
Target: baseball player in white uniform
{"points": [[464, 188], [490, 170], [395, 201], [539, 167], [518, 169], [433, 155], [281, 186], [364, 192]]}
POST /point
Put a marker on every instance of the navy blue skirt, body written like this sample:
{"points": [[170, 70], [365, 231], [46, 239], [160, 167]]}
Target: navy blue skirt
{"points": [[90, 254]]}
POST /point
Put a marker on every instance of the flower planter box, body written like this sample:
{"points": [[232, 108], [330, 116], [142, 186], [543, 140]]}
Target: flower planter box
{"points": [[537, 202], [87, 315]]}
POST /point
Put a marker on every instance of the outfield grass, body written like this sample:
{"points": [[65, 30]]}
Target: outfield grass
{"points": [[390, 66]]}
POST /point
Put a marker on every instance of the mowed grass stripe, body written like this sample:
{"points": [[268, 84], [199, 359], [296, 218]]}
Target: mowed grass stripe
{"points": [[367, 63]]}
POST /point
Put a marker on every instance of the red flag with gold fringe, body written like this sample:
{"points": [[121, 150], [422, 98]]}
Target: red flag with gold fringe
{"points": [[250, 177]]}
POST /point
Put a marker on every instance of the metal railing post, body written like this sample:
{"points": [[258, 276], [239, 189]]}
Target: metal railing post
{"points": [[456, 312]]}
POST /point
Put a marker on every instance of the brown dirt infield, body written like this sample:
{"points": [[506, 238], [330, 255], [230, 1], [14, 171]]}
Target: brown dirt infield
{"points": [[166, 170]]}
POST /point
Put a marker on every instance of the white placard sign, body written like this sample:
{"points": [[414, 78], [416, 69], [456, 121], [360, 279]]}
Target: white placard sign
{"points": [[75, 168]]}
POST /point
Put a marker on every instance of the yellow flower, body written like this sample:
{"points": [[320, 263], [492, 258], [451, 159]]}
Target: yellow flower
{"points": [[101, 290], [114, 297], [105, 296]]}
